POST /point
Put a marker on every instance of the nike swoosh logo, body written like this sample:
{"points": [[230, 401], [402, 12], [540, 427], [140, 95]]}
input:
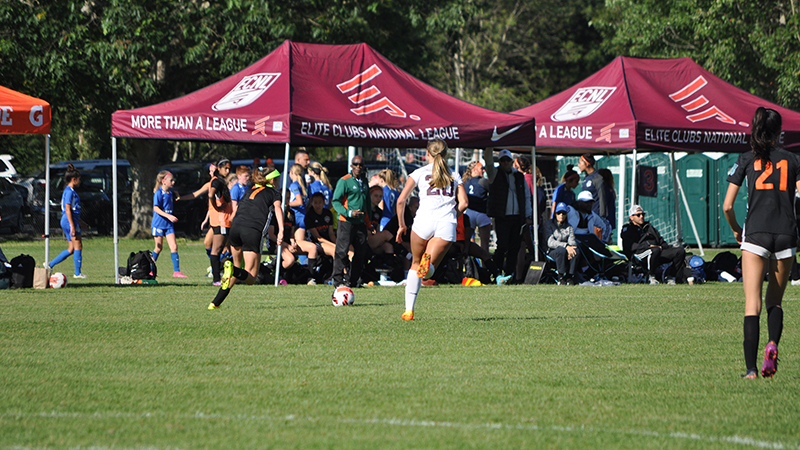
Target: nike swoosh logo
{"points": [[497, 137]]}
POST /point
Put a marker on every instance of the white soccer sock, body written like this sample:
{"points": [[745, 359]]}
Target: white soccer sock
{"points": [[412, 289]]}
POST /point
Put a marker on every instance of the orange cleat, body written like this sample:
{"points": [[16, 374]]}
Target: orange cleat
{"points": [[408, 315]]}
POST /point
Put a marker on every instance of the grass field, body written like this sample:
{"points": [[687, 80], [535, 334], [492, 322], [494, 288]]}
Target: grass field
{"points": [[627, 367]]}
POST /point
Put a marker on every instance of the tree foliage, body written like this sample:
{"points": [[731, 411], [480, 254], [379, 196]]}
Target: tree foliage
{"points": [[752, 44]]}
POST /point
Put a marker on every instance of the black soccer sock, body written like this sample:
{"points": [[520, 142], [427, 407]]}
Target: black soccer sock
{"points": [[751, 330], [215, 267], [775, 323], [312, 264], [240, 274], [221, 295]]}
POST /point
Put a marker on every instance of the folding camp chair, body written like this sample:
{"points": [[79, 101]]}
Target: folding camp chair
{"points": [[602, 260]]}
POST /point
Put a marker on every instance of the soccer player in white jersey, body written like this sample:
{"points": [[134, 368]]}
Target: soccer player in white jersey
{"points": [[442, 199]]}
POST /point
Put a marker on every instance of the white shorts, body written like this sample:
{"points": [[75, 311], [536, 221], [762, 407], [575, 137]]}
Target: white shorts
{"points": [[428, 229], [477, 219]]}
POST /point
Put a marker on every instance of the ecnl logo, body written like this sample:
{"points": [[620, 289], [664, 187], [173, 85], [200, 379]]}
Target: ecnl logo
{"points": [[249, 89], [583, 103]]}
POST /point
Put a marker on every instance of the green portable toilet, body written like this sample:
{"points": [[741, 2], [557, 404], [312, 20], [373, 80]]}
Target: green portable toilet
{"points": [[723, 166], [661, 208], [697, 180]]}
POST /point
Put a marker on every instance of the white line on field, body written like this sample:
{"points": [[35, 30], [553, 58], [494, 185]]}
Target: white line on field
{"points": [[739, 440]]}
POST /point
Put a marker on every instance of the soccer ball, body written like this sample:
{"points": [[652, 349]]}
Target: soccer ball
{"points": [[58, 280], [343, 296]]}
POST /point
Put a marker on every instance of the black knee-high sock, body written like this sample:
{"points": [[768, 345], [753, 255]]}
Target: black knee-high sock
{"points": [[775, 323], [312, 264], [240, 274], [215, 267], [751, 330], [221, 295]]}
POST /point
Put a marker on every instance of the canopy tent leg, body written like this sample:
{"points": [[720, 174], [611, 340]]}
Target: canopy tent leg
{"points": [[689, 215], [285, 176], [634, 190], [534, 208], [621, 199], [457, 161], [116, 205], [47, 199], [677, 204], [351, 153]]}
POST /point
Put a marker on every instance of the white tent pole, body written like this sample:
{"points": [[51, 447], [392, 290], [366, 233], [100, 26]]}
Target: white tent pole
{"points": [[47, 199], [457, 160], [535, 209], [621, 199], [116, 207], [677, 203], [689, 214], [351, 153], [634, 189], [283, 198]]}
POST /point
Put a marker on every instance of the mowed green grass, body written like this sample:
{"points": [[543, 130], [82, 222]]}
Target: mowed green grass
{"points": [[626, 367]]}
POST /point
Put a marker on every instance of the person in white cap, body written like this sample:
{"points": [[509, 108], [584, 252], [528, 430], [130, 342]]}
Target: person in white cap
{"points": [[585, 221], [510, 206], [640, 238]]}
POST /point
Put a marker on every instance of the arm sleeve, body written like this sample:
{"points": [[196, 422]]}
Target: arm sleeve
{"points": [[338, 198]]}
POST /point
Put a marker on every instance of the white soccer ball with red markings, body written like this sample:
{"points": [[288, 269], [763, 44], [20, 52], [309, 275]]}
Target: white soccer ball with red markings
{"points": [[343, 296], [58, 280]]}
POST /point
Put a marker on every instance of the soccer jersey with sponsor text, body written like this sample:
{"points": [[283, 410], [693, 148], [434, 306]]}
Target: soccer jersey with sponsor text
{"points": [[770, 191]]}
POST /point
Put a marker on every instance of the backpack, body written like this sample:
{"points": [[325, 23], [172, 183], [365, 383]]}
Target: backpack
{"points": [[724, 262], [474, 269], [141, 266], [22, 271]]}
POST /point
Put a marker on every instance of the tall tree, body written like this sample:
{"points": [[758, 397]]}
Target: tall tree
{"points": [[753, 44]]}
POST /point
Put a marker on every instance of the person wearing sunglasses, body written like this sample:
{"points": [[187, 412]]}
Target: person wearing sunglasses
{"points": [[641, 239], [561, 244], [352, 201]]}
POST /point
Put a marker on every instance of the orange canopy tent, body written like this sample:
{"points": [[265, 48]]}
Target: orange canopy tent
{"points": [[23, 114]]}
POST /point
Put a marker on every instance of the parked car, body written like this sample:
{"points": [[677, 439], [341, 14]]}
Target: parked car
{"points": [[95, 192], [7, 169], [12, 206]]}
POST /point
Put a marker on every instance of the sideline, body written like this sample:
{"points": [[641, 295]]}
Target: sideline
{"points": [[738, 440]]}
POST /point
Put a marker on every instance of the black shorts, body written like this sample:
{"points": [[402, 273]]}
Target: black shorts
{"points": [[221, 230], [769, 245], [249, 239]]}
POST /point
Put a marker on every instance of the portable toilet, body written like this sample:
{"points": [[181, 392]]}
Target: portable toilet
{"points": [[698, 180], [723, 167]]}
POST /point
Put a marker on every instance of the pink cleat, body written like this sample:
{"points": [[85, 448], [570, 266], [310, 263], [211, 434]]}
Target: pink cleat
{"points": [[770, 360], [178, 274]]}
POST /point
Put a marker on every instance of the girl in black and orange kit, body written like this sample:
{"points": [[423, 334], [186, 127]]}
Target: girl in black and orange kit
{"points": [[769, 237]]}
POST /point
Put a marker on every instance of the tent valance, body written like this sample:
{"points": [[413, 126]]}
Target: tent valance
{"points": [[23, 114]]}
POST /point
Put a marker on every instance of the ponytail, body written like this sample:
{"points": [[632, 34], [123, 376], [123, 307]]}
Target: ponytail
{"points": [[71, 173], [766, 130], [159, 178], [389, 177], [440, 176]]}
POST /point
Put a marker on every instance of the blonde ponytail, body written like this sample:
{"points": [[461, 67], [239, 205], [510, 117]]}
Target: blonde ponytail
{"points": [[440, 176]]}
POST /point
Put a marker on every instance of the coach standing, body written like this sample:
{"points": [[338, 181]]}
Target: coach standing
{"points": [[351, 200]]}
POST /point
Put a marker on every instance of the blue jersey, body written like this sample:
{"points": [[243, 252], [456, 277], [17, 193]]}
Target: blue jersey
{"points": [[563, 194], [299, 211], [70, 197], [164, 201], [237, 191], [389, 203], [319, 186]]}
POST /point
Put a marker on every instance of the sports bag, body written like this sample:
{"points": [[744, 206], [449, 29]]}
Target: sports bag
{"points": [[142, 266], [22, 271]]}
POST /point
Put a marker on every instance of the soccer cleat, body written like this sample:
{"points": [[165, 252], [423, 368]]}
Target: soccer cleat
{"points": [[212, 306], [47, 266], [408, 315], [80, 276], [770, 360], [424, 266], [178, 274], [751, 374], [208, 272], [216, 283], [671, 281], [227, 273], [653, 281]]}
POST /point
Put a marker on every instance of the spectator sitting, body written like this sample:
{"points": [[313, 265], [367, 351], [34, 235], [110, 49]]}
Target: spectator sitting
{"points": [[377, 242], [561, 244], [585, 221], [640, 238]]}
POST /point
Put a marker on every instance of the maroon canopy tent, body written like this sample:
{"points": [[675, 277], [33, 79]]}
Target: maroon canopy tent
{"points": [[651, 104], [323, 95]]}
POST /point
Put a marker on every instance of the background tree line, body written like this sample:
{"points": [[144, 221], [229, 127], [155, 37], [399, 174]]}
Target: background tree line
{"points": [[89, 58]]}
